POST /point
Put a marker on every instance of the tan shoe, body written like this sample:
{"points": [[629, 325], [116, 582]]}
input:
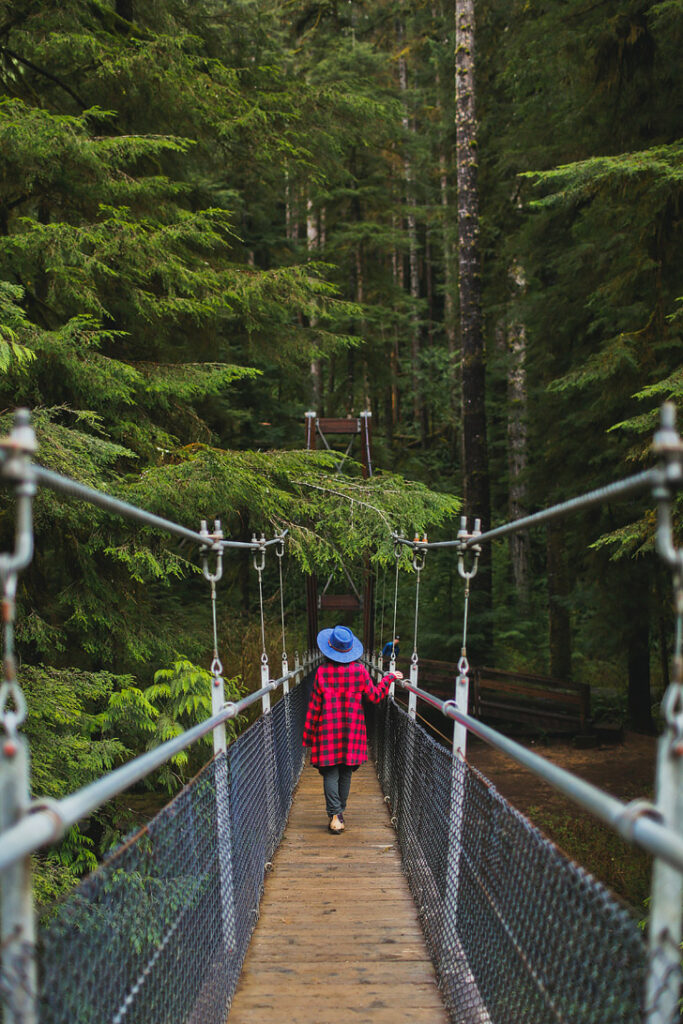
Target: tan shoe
{"points": [[336, 825]]}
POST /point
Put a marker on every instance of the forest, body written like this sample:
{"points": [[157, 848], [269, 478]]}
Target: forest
{"points": [[462, 217]]}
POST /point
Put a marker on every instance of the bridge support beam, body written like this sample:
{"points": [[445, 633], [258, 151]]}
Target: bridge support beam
{"points": [[362, 426]]}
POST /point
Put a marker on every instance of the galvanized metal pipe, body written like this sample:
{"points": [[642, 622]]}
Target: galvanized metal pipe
{"points": [[621, 489], [632, 821], [63, 484]]}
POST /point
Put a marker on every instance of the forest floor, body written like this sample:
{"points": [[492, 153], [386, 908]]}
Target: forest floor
{"points": [[625, 770]]}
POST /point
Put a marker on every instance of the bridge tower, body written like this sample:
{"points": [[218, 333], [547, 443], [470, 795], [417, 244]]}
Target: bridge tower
{"points": [[318, 427]]}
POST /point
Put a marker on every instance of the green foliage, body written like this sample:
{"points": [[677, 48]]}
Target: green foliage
{"points": [[195, 208], [69, 747], [624, 869], [181, 698]]}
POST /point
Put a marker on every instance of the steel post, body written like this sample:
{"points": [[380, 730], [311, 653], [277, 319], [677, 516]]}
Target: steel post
{"points": [[19, 973], [412, 697], [462, 691], [220, 744], [663, 986]]}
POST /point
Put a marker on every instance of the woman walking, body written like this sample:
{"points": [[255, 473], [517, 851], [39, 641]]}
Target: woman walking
{"points": [[335, 724]]}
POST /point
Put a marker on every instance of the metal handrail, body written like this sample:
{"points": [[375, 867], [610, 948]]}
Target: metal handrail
{"points": [[650, 478], [65, 485]]}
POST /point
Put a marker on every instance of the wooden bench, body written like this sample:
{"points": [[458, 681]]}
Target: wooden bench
{"points": [[551, 705], [503, 698]]}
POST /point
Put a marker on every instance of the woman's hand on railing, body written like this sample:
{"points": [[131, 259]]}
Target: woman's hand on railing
{"points": [[399, 675]]}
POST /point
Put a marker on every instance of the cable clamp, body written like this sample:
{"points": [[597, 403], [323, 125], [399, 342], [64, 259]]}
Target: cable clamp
{"points": [[465, 537], [10, 720], [50, 806], [463, 666], [16, 450], [213, 543], [280, 543], [260, 552], [667, 440], [216, 667], [632, 812], [419, 552], [672, 712]]}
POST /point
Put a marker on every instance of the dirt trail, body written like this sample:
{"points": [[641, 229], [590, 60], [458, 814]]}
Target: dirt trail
{"points": [[625, 770]]}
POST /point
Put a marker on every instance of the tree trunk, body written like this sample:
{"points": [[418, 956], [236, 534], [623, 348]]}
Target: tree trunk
{"points": [[449, 318], [125, 10], [635, 589], [413, 260], [518, 446], [475, 467], [558, 590], [639, 696], [316, 367], [394, 353], [449, 283]]}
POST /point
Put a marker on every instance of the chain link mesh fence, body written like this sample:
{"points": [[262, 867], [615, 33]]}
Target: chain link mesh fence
{"points": [[518, 933], [158, 934]]}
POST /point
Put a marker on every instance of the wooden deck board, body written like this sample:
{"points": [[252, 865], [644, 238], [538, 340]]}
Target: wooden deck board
{"points": [[338, 938]]}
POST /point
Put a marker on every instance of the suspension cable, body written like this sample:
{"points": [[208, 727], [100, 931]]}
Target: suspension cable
{"points": [[621, 489], [397, 556], [419, 556], [279, 551], [213, 578], [259, 565], [467, 575], [381, 621]]}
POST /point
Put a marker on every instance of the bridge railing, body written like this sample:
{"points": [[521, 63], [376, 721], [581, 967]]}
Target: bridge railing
{"points": [[159, 931], [516, 931], [656, 827]]}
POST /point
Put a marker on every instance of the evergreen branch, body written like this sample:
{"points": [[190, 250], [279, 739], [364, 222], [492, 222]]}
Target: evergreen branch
{"points": [[349, 497], [13, 22], [45, 74], [111, 19], [586, 10]]}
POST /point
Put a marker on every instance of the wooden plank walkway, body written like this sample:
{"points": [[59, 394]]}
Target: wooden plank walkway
{"points": [[338, 939]]}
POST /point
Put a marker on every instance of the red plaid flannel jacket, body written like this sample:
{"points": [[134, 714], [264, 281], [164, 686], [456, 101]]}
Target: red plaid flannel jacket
{"points": [[335, 725]]}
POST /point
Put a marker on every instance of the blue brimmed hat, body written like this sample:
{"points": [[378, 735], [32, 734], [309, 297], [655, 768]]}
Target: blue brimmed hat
{"points": [[339, 644]]}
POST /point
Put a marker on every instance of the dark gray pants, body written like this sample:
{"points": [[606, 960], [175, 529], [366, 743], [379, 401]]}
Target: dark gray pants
{"points": [[336, 783]]}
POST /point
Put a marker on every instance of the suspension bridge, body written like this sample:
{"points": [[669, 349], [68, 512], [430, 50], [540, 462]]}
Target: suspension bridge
{"points": [[440, 903]]}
